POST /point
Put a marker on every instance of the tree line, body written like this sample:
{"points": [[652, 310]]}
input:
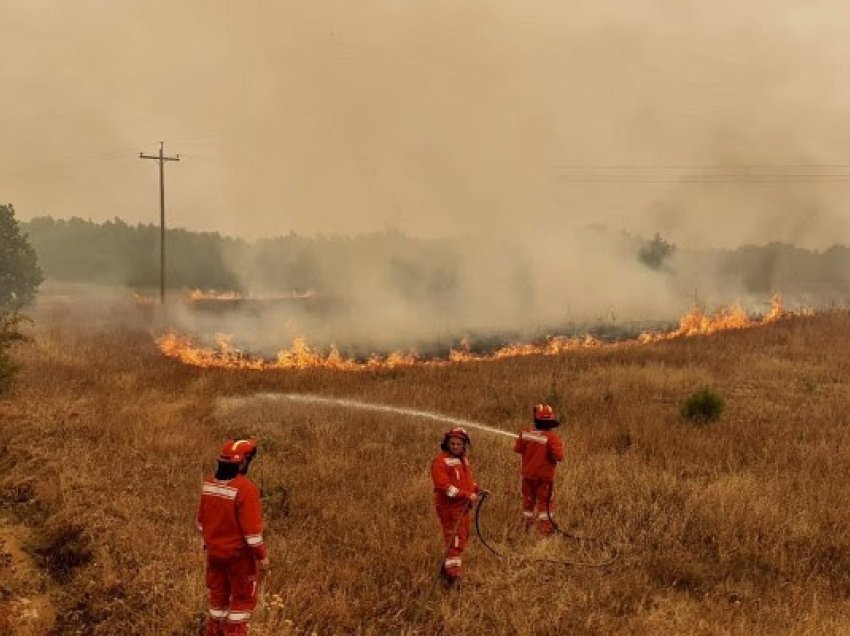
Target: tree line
{"points": [[117, 253]]}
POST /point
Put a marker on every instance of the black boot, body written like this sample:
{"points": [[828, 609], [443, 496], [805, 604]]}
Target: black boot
{"points": [[450, 582]]}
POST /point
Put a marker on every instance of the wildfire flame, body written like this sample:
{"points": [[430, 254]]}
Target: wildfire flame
{"points": [[301, 356], [212, 294]]}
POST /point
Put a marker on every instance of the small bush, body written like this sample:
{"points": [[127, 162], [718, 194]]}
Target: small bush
{"points": [[703, 406]]}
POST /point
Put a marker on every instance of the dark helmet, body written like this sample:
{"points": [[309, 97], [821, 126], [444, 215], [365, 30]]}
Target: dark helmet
{"points": [[544, 416], [457, 432]]}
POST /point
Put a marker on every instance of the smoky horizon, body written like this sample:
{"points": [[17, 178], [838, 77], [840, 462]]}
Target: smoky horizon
{"points": [[483, 167], [715, 125]]}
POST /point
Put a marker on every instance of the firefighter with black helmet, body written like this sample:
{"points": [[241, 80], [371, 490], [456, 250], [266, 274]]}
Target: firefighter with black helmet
{"points": [[231, 521], [455, 491]]}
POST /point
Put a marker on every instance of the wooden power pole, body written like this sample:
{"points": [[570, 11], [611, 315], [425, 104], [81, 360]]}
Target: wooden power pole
{"points": [[161, 159]]}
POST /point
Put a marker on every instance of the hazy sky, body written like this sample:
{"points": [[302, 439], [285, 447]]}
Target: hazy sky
{"points": [[436, 117]]}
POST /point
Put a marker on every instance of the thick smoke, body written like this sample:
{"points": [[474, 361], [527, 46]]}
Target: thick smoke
{"points": [[501, 127], [388, 292]]}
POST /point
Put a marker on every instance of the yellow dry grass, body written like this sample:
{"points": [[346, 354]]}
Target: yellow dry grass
{"points": [[733, 528]]}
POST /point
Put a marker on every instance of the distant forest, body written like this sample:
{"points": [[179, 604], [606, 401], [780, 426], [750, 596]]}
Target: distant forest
{"points": [[116, 253]]}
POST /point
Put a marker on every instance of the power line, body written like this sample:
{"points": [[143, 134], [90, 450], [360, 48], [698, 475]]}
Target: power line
{"points": [[709, 179], [762, 166], [706, 174]]}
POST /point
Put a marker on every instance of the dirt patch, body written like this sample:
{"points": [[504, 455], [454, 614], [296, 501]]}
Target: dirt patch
{"points": [[25, 606]]}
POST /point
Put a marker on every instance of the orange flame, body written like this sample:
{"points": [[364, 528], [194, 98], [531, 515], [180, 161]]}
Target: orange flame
{"points": [[301, 356], [212, 294]]}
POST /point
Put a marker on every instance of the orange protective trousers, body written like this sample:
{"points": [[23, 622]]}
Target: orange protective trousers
{"points": [[449, 516], [537, 493], [232, 585]]}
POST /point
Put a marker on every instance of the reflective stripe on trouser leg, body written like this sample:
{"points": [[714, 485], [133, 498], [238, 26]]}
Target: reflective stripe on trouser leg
{"points": [[545, 492], [453, 562], [529, 497], [449, 520], [243, 598], [527, 519], [218, 587], [545, 506]]}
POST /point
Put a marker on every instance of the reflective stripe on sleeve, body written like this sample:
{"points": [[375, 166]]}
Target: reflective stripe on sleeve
{"points": [[254, 539], [535, 437]]}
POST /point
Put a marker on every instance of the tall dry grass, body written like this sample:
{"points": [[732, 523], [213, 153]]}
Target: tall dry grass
{"points": [[738, 527]]}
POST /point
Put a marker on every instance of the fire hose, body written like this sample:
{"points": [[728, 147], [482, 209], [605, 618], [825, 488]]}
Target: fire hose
{"points": [[560, 530], [601, 564]]}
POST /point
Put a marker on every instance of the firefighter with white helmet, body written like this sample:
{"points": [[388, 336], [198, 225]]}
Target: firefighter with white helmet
{"points": [[455, 491], [231, 521]]}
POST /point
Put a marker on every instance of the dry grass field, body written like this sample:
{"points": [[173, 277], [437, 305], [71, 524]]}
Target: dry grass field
{"points": [[737, 527]]}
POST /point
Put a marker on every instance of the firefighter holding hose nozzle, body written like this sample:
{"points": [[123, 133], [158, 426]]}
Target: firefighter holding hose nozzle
{"points": [[541, 449]]}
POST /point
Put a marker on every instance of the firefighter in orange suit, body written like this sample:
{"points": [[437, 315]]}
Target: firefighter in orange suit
{"points": [[230, 518], [541, 449], [455, 491]]}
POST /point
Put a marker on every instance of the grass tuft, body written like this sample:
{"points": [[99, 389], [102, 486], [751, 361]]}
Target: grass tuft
{"points": [[703, 407]]}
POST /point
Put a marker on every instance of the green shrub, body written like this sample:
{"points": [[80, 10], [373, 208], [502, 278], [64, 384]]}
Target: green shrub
{"points": [[703, 406]]}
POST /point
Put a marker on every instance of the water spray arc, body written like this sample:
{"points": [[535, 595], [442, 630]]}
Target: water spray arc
{"points": [[381, 408]]}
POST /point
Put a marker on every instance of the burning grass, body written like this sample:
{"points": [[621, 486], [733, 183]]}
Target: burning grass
{"points": [[734, 528], [224, 353]]}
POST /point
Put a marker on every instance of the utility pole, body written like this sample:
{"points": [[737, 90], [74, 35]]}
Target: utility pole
{"points": [[161, 159]]}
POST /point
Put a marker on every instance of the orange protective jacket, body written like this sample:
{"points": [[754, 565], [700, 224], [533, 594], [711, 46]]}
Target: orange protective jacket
{"points": [[453, 480], [230, 518], [541, 451]]}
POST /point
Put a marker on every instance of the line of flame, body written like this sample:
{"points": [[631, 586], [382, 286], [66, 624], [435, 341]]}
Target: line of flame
{"points": [[301, 356], [212, 294]]}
